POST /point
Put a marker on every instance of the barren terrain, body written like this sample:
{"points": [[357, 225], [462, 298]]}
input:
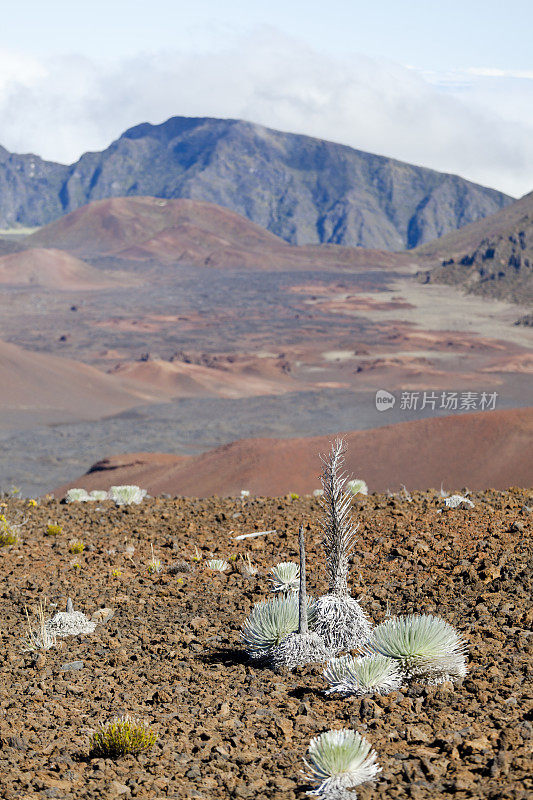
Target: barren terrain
{"points": [[492, 448], [204, 328], [171, 652]]}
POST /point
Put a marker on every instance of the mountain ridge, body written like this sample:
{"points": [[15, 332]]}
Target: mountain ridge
{"points": [[492, 257], [303, 189]]}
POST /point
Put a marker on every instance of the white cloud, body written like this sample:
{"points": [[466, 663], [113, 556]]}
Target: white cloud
{"points": [[477, 123]]}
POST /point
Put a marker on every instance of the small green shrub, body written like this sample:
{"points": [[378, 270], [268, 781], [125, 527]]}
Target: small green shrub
{"points": [[76, 546], [8, 534], [53, 530], [154, 565], [120, 736]]}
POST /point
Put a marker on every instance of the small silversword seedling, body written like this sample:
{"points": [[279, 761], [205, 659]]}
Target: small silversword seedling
{"points": [[217, 564], [120, 736], [285, 577], [127, 495], [375, 674], [270, 622], [338, 761], [426, 647]]}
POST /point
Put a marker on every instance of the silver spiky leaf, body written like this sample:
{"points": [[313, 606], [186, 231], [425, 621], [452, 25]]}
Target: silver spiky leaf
{"points": [[270, 622], [341, 623], [375, 674], [338, 761], [426, 647]]}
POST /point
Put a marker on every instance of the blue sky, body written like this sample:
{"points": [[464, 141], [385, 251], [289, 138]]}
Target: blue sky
{"points": [[444, 84], [429, 34]]}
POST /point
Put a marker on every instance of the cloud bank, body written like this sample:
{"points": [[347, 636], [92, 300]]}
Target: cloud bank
{"points": [[477, 123]]}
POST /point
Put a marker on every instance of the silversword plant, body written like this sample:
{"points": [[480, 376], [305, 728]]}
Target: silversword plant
{"points": [[340, 620], [69, 623], [305, 646], [285, 577], [357, 486], [270, 622], [127, 495], [98, 495], [338, 761], [426, 647], [373, 674], [77, 496], [217, 564]]}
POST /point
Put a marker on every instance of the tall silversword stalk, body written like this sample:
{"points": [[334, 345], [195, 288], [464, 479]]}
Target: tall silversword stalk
{"points": [[337, 526], [303, 624], [305, 646], [340, 620]]}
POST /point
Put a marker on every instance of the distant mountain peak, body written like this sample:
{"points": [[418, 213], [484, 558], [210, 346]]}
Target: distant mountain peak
{"points": [[303, 189]]}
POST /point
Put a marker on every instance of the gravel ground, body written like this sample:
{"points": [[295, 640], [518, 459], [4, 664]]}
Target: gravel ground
{"points": [[171, 651]]}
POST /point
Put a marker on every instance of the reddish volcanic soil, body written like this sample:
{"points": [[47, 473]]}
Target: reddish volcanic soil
{"points": [[189, 231], [58, 389], [55, 269], [491, 448], [171, 653], [229, 377]]}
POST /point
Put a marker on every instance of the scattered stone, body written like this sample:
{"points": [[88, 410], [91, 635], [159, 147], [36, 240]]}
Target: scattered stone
{"points": [[239, 727], [71, 666], [102, 615]]}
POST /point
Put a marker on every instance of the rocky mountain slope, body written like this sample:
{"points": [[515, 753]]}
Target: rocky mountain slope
{"points": [[305, 190], [491, 257]]}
